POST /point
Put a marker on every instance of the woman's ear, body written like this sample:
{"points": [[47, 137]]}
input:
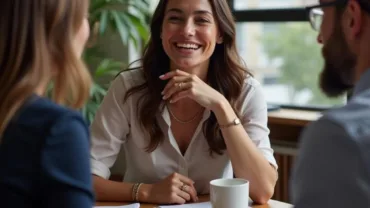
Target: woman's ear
{"points": [[220, 40]]}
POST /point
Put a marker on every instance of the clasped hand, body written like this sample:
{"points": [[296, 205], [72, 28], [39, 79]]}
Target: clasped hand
{"points": [[175, 189], [184, 85]]}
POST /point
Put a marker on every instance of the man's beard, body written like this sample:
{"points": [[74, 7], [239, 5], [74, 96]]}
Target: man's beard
{"points": [[339, 70]]}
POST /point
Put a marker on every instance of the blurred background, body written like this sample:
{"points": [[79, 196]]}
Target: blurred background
{"points": [[119, 30], [284, 55]]}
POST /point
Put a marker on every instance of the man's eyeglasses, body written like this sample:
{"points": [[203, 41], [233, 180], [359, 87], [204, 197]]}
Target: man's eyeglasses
{"points": [[315, 13]]}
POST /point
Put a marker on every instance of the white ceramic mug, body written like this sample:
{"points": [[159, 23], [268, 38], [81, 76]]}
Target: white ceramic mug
{"points": [[229, 193]]}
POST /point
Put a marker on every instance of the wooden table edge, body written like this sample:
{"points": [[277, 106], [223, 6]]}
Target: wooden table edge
{"points": [[271, 204]]}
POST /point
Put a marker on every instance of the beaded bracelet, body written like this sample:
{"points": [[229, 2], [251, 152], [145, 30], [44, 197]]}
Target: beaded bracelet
{"points": [[135, 191]]}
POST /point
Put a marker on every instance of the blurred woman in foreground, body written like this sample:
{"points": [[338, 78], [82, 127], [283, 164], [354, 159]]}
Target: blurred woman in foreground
{"points": [[44, 145]]}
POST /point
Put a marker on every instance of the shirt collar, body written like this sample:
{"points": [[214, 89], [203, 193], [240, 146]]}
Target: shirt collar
{"points": [[363, 84], [166, 116]]}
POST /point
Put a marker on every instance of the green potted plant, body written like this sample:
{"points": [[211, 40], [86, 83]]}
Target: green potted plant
{"points": [[127, 18]]}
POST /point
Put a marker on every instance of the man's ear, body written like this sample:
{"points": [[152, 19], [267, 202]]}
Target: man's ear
{"points": [[354, 22]]}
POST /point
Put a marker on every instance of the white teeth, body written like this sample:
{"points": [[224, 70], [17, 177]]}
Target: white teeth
{"points": [[187, 45]]}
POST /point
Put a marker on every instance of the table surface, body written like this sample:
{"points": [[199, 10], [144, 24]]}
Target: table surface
{"points": [[271, 204]]}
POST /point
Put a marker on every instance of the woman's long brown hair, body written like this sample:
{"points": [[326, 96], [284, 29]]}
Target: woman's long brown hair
{"points": [[37, 47], [226, 74]]}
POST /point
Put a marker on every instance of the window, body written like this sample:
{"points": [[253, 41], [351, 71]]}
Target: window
{"points": [[268, 4], [279, 46]]}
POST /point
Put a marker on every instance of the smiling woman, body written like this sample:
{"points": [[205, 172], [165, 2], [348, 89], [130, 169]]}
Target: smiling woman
{"points": [[189, 35], [189, 114]]}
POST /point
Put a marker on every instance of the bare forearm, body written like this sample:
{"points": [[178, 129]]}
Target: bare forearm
{"points": [[163, 192], [106, 190], [248, 162]]}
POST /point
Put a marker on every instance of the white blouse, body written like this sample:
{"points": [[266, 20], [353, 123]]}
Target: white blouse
{"points": [[116, 128]]}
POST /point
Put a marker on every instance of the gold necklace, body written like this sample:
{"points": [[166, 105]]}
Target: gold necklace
{"points": [[182, 121]]}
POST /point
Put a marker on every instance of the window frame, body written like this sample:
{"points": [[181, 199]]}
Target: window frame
{"points": [[294, 14]]}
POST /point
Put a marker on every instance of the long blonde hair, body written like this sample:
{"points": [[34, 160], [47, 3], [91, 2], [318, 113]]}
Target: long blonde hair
{"points": [[37, 46]]}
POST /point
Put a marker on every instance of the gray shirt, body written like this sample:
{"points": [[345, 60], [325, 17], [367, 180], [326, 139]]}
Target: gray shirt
{"points": [[333, 165]]}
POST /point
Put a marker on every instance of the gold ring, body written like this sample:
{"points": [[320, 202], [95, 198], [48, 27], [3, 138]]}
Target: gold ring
{"points": [[180, 85], [183, 187]]}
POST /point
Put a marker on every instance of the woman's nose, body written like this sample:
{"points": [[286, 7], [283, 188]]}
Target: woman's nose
{"points": [[189, 29]]}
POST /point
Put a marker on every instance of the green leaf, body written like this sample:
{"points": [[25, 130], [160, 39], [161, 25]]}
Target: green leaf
{"points": [[97, 89], [135, 41], [103, 22], [130, 25], [140, 26], [100, 89], [96, 5], [134, 34], [142, 6], [120, 26], [108, 67]]}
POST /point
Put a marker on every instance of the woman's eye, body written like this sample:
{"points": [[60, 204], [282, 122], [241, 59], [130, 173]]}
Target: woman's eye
{"points": [[173, 18], [202, 20]]}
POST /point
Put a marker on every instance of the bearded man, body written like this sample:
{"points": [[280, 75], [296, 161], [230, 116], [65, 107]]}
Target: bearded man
{"points": [[333, 165]]}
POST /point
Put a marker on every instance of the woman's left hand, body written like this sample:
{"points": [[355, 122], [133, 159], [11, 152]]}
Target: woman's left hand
{"points": [[184, 85]]}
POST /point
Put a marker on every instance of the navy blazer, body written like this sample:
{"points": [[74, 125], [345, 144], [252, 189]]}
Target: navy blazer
{"points": [[44, 158]]}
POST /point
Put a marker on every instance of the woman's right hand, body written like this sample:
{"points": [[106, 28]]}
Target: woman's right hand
{"points": [[175, 189]]}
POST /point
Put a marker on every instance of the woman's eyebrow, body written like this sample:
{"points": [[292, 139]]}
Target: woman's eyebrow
{"points": [[177, 10]]}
